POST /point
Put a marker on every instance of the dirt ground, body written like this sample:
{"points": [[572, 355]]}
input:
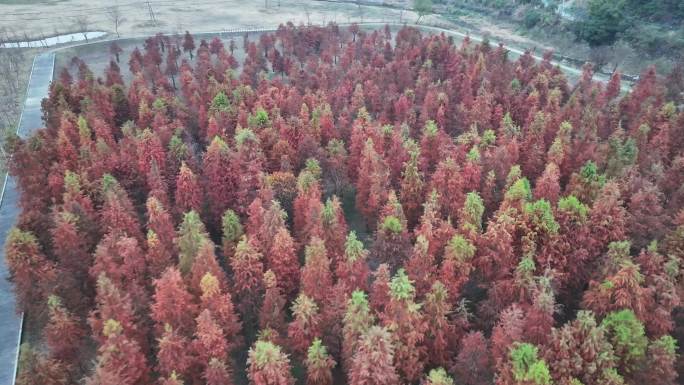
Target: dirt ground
{"points": [[171, 16]]}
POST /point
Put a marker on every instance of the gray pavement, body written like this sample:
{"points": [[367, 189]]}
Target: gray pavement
{"points": [[31, 119]]}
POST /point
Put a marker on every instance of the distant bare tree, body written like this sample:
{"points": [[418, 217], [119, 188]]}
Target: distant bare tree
{"points": [[82, 23], [116, 17], [600, 56]]}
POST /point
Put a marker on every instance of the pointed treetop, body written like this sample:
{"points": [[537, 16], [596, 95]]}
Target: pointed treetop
{"points": [[83, 129], [54, 302], [514, 174], [392, 224], [488, 138], [72, 182], [460, 248], [220, 102], [572, 205], [329, 212], [619, 250], [526, 365], [209, 285], [520, 190], [317, 351], [626, 334], [270, 279], [314, 167], [473, 209], [358, 300], [304, 306], [438, 376], [109, 184], [430, 129], [191, 237], [473, 155], [111, 328], [353, 248], [542, 216], [217, 145], [232, 229], [259, 119], [401, 287], [245, 135], [265, 353]]}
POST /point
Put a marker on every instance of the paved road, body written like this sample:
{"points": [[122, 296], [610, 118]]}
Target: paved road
{"points": [[10, 322]]}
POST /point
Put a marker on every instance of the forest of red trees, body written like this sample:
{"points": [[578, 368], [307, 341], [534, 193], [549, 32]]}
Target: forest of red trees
{"points": [[349, 207]]}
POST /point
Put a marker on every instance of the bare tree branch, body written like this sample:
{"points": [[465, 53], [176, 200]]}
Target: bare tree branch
{"points": [[82, 23], [117, 18]]}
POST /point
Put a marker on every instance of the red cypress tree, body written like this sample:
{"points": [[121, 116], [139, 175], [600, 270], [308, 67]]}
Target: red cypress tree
{"points": [[456, 265], [119, 359], [352, 270], [319, 365], [173, 356], [408, 327], [392, 242], [172, 303], [268, 365], [188, 43], [218, 372], [248, 164], [308, 206], [373, 361], [372, 184], [659, 368], [206, 263], [33, 275], [441, 333], [122, 260], [358, 318], [272, 312], [508, 330], [231, 232], [117, 212], [219, 179], [35, 368], [379, 293], [580, 349], [188, 192], [248, 271], [283, 260], [210, 341], [161, 223], [111, 302], [412, 186], [547, 186], [334, 229], [220, 305], [473, 364], [316, 281], [421, 267], [70, 246], [63, 332], [306, 325]]}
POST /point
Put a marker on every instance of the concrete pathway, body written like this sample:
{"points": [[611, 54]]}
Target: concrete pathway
{"points": [[31, 119]]}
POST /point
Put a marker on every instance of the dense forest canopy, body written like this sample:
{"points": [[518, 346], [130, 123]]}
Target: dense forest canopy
{"points": [[349, 206]]}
